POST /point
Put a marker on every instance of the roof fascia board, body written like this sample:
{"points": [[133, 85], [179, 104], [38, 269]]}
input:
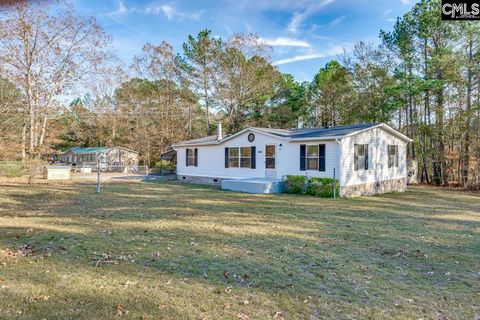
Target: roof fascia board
{"points": [[396, 132], [316, 138], [254, 130], [181, 145], [229, 138], [387, 128]]}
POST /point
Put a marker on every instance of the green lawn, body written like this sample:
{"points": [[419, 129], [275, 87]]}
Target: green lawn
{"points": [[176, 251]]}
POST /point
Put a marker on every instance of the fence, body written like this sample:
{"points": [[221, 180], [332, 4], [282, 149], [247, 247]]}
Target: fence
{"points": [[34, 171], [109, 173]]}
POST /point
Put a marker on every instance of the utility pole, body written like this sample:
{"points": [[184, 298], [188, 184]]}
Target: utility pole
{"points": [[100, 158], [334, 185]]}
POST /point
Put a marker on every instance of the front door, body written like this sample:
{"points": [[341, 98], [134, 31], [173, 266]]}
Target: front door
{"points": [[270, 161]]}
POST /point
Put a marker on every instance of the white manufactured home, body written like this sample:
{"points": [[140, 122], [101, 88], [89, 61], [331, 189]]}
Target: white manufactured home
{"points": [[365, 158]]}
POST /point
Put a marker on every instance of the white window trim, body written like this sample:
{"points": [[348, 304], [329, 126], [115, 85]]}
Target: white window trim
{"points": [[307, 157], [239, 158], [189, 157], [395, 156], [365, 150]]}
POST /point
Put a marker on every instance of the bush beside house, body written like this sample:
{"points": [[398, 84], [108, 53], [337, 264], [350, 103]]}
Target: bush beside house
{"points": [[318, 187]]}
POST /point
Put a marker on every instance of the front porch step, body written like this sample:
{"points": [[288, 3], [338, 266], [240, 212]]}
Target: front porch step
{"points": [[258, 185]]}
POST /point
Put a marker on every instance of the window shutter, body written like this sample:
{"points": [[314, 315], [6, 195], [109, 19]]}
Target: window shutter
{"points": [[355, 157], [186, 157], [396, 156], [226, 157], [321, 157], [196, 157], [366, 157], [303, 149], [253, 160]]}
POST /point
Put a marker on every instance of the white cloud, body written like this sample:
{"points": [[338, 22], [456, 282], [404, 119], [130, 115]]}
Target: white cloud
{"points": [[406, 1], [120, 10], [335, 50], [300, 16], [168, 10], [337, 21], [286, 42]]}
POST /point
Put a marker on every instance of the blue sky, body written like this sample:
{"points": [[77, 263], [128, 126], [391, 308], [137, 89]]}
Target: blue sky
{"points": [[304, 35]]}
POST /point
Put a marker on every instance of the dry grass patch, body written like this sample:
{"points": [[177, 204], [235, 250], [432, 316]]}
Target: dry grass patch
{"points": [[176, 251]]}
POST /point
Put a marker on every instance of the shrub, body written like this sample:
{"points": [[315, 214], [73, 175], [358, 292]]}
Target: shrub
{"points": [[295, 184], [322, 187], [165, 165]]}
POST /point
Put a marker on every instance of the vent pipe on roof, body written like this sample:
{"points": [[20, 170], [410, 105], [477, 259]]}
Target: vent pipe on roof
{"points": [[219, 131]]}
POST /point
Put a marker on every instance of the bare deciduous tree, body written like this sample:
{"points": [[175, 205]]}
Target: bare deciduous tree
{"points": [[46, 50]]}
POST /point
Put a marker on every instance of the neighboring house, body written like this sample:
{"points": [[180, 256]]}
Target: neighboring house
{"points": [[88, 156], [365, 158]]}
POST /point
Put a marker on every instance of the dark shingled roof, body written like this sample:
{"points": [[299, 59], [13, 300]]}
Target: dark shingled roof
{"points": [[330, 131], [321, 133], [200, 140]]}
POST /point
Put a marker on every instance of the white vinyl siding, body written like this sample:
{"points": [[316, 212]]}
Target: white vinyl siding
{"points": [[378, 141], [211, 159], [339, 157]]}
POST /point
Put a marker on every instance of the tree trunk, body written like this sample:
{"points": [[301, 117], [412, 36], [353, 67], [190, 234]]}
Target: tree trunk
{"points": [[441, 175], [426, 117], [42, 134], [205, 87], [24, 142], [466, 141]]}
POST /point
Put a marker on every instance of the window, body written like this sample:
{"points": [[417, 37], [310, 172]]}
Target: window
{"points": [[392, 156], [245, 157], [233, 154], [270, 157], [360, 157], [190, 157], [312, 157]]}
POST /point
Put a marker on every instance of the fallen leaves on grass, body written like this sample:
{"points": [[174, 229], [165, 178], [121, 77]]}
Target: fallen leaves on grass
{"points": [[9, 253], [39, 298], [121, 311], [104, 259], [24, 250]]}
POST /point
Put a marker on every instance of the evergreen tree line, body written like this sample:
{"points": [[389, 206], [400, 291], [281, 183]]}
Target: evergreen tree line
{"points": [[423, 79]]}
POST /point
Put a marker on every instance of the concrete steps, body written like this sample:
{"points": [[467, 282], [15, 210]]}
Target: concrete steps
{"points": [[256, 185]]}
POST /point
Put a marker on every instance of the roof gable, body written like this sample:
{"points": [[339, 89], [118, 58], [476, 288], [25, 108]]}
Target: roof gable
{"points": [[78, 150], [325, 133], [94, 150]]}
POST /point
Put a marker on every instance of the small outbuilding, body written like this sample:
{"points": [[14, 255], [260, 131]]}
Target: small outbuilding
{"points": [[57, 172], [115, 156]]}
